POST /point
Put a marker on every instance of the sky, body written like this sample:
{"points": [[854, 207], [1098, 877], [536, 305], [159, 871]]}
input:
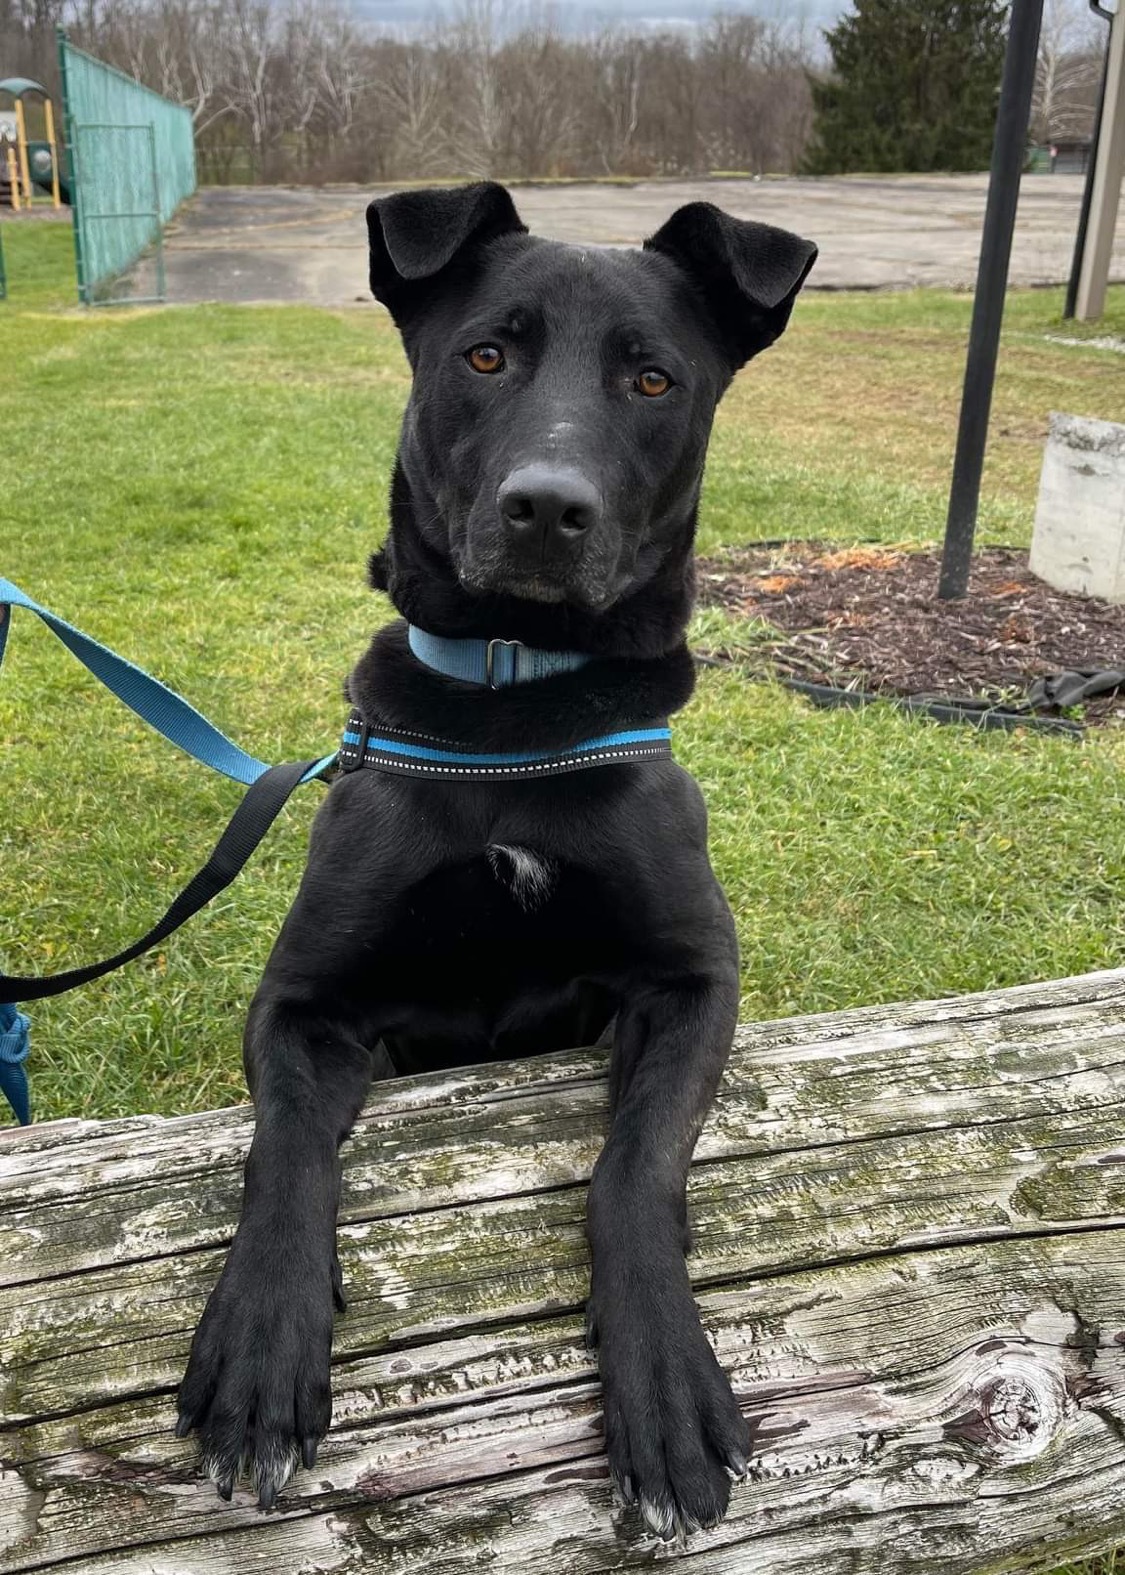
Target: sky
{"points": [[580, 15]]}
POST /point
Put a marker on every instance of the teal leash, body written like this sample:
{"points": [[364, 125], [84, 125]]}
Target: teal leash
{"points": [[268, 789], [15, 1042]]}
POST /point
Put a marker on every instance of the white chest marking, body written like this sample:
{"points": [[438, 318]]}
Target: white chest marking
{"points": [[527, 875]]}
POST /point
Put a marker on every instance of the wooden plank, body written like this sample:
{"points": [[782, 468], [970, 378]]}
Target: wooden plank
{"points": [[80, 1195], [866, 1399], [1105, 195], [910, 1244]]}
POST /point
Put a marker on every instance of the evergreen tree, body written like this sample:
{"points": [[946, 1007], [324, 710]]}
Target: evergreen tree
{"points": [[914, 87]]}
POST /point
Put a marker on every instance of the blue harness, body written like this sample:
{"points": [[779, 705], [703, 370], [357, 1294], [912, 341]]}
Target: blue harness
{"points": [[366, 743], [417, 755]]}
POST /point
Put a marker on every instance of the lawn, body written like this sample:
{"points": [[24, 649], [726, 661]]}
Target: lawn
{"points": [[200, 487]]}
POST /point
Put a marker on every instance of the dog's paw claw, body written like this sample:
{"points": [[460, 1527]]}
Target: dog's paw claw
{"points": [[675, 1437], [591, 1329], [659, 1517], [624, 1487], [339, 1299]]}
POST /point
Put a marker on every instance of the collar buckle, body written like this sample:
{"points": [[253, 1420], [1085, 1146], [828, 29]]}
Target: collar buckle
{"points": [[475, 659], [490, 663], [352, 755]]}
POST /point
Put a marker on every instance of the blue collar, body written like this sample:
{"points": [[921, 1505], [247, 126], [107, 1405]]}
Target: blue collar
{"points": [[497, 663]]}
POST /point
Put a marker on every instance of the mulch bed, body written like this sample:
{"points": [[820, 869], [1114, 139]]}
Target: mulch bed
{"points": [[869, 618]]}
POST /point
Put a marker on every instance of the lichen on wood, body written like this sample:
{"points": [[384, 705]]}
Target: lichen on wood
{"points": [[909, 1252]]}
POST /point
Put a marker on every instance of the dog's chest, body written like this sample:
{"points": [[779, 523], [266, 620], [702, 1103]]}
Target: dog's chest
{"points": [[506, 913]]}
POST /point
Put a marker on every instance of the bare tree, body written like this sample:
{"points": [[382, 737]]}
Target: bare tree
{"points": [[477, 107], [1071, 44], [344, 73], [284, 89], [539, 92], [411, 85], [255, 86], [618, 78]]}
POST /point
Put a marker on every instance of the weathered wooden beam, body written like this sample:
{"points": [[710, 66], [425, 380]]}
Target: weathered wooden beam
{"points": [[909, 1251]]}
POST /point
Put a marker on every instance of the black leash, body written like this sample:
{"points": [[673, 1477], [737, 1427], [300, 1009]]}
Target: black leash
{"points": [[256, 813]]}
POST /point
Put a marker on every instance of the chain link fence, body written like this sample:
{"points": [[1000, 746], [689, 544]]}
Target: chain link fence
{"points": [[132, 162]]}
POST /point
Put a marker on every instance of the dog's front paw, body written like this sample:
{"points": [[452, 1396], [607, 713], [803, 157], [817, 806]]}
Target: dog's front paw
{"points": [[674, 1435], [257, 1386]]}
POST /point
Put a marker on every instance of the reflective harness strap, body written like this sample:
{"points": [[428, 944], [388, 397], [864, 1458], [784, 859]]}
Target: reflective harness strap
{"points": [[383, 748]]}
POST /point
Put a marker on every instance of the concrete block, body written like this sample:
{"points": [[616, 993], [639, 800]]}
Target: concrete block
{"points": [[1079, 539]]}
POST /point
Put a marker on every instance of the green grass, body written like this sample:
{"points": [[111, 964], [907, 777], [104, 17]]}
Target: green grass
{"points": [[39, 253], [200, 488]]}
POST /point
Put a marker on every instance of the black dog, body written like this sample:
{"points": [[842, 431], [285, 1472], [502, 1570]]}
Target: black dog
{"points": [[545, 492]]}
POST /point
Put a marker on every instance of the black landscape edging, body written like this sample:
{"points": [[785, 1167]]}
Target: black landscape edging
{"points": [[973, 713]]}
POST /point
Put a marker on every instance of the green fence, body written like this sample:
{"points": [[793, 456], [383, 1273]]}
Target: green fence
{"points": [[132, 162]]}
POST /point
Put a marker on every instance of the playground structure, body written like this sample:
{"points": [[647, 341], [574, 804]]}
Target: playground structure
{"points": [[29, 165], [122, 160]]}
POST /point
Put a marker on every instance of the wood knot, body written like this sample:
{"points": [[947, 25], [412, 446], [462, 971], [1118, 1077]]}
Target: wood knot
{"points": [[1015, 1412], [1011, 1408]]}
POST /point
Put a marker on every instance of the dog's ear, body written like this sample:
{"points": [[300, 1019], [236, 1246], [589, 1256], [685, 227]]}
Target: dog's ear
{"points": [[413, 235], [748, 274]]}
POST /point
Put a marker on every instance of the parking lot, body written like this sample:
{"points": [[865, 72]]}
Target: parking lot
{"points": [[307, 244]]}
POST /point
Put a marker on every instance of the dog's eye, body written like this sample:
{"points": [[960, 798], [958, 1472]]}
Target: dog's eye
{"points": [[653, 382], [485, 358]]}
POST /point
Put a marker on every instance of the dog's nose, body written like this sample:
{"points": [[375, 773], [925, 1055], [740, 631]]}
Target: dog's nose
{"points": [[548, 511]]}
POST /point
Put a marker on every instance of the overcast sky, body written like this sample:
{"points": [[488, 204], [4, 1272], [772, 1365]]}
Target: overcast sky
{"points": [[580, 15]]}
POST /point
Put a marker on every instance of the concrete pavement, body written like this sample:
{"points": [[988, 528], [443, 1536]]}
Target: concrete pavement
{"points": [[304, 244]]}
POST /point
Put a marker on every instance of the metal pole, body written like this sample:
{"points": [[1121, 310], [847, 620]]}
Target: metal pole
{"points": [[158, 213], [1009, 152], [21, 151], [1088, 187], [49, 116], [70, 136]]}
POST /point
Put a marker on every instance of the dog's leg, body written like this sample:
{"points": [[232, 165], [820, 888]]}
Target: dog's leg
{"points": [[674, 1433], [257, 1384]]}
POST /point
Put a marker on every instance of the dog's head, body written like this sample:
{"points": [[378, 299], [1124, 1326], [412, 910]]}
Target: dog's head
{"points": [[563, 395]]}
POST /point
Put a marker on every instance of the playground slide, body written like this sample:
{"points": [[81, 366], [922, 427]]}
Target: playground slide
{"points": [[45, 187]]}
